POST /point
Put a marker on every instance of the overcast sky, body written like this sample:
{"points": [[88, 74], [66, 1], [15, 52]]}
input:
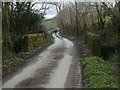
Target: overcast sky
{"points": [[52, 10]]}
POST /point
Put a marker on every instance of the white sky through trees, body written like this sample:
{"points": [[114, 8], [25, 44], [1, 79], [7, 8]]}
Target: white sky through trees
{"points": [[51, 12]]}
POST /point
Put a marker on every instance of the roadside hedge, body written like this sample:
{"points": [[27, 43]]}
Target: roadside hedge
{"points": [[25, 47], [98, 73], [30, 42], [99, 45]]}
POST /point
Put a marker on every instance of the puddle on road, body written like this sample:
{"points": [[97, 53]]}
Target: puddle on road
{"points": [[58, 57], [58, 50]]}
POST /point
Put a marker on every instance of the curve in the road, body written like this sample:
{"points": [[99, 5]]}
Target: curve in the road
{"points": [[51, 69]]}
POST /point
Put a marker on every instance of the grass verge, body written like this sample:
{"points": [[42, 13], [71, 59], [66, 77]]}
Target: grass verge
{"points": [[98, 73]]}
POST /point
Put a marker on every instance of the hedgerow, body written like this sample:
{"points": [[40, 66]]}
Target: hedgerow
{"points": [[29, 43]]}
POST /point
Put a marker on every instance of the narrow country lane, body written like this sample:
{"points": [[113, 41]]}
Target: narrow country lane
{"points": [[54, 68]]}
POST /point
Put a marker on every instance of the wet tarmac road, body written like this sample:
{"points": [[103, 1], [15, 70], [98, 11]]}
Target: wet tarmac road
{"points": [[51, 70]]}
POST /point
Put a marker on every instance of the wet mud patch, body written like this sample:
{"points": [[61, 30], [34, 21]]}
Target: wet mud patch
{"points": [[42, 75], [58, 56], [59, 50]]}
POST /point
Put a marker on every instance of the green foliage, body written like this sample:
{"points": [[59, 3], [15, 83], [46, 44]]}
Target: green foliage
{"points": [[19, 19], [115, 58], [31, 22], [98, 73], [50, 24], [9, 61], [21, 26], [31, 42], [107, 18], [94, 43], [103, 24]]}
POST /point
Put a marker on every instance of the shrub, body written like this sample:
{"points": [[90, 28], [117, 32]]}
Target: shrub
{"points": [[115, 58], [30, 42], [94, 43], [98, 73]]}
